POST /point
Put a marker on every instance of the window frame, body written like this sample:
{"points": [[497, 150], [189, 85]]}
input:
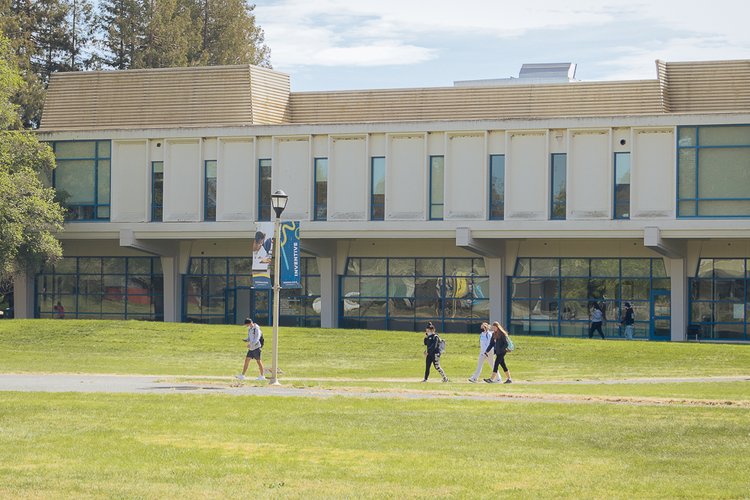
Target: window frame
{"points": [[615, 203], [558, 204], [432, 204], [96, 205], [373, 203], [206, 205], [154, 205], [501, 204], [264, 199], [320, 210]]}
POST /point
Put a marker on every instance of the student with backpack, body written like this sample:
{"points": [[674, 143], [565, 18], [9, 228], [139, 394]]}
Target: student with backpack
{"points": [[432, 353], [485, 337], [501, 343], [254, 345], [628, 319]]}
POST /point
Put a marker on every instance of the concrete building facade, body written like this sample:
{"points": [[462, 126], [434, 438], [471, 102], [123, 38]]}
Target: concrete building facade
{"points": [[525, 203]]}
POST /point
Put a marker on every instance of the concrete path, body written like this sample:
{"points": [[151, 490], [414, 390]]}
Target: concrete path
{"points": [[168, 384]]}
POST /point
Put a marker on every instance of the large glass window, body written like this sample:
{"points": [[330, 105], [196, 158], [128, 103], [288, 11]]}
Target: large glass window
{"points": [[377, 188], [157, 191], [102, 288], [209, 193], [719, 298], [622, 186], [82, 178], [558, 186], [219, 290], [554, 296], [497, 187], [713, 177], [321, 189], [264, 190], [405, 293], [437, 187]]}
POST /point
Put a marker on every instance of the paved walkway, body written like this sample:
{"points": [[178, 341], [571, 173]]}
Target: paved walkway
{"points": [[169, 384]]}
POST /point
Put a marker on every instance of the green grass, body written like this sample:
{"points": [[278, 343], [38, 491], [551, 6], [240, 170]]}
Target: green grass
{"points": [[214, 446], [663, 443]]}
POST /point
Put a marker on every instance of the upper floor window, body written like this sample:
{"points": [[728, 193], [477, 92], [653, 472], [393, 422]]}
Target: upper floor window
{"points": [[209, 193], [157, 191], [82, 178], [264, 189], [377, 188], [622, 186], [558, 186], [321, 189], [712, 171], [437, 187], [497, 187]]}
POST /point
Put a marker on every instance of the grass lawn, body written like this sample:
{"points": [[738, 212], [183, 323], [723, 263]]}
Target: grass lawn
{"points": [[67, 445]]}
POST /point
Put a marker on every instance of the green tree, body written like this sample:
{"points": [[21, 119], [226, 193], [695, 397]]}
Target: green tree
{"points": [[122, 24], [29, 216], [230, 35], [169, 35]]}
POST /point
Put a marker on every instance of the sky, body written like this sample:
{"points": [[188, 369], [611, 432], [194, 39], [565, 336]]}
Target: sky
{"points": [[371, 44]]}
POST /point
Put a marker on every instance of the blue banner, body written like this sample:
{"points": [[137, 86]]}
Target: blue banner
{"points": [[291, 272]]}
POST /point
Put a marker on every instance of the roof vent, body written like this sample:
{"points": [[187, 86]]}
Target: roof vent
{"points": [[530, 73]]}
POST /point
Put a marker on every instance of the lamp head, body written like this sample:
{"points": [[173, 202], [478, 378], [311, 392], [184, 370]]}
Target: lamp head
{"points": [[278, 202]]}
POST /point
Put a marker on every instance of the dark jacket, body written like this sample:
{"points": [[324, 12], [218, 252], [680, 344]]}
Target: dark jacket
{"points": [[628, 319], [500, 346], [431, 341]]}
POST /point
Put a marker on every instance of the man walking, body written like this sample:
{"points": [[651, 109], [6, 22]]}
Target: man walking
{"points": [[628, 319], [254, 345]]}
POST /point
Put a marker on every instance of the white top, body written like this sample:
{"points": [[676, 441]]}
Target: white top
{"points": [[484, 340], [253, 336]]}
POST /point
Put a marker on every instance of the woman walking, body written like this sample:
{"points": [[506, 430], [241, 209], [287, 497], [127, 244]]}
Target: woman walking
{"points": [[499, 343], [597, 318], [485, 338], [432, 354]]}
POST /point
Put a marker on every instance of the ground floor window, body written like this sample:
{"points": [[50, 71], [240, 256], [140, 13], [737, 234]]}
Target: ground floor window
{"points": [[555, 296], [406, 293], [101, 288], [719, 299], [219, 290]]}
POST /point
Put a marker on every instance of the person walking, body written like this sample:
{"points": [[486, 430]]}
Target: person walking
{"points": [[254, 345], [628, 319], [498, 342], [485, 337], [597, 318], [432, 353]]}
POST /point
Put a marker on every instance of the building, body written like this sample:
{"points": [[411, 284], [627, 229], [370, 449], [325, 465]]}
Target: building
{"points": [[524, 202]]}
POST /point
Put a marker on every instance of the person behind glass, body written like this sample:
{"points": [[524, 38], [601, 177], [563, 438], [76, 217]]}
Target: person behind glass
{"points": [[432, 353], [597, 318], [254, 346], [58, 311], [628, 319], [485, 337], [499, 343]]}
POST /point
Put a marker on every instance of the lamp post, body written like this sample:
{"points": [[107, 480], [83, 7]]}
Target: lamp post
{"points": [[278, 202]]}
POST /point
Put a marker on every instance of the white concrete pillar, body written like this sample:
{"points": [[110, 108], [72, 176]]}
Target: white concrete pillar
{"points": [[23, 296], [679, 299], [498, 286], [172, 289], [329, 317]]}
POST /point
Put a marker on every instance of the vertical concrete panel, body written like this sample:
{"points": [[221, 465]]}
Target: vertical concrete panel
{"points": [[526, 176], [348, 179], [183, 181], [679, 302], [131, 181], [292, 172], [406, 178], [328, 292], [466, 195], [589, 176], [236, 181], [653, 174]]}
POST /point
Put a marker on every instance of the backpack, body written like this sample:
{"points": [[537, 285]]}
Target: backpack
{"points": [[511, 345], [440, 346], [262, 340]]}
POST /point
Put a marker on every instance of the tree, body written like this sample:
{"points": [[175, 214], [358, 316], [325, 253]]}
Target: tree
{"points": [[230, 35], [123, 28], [79, 35], [29, 216], [169, 35]]}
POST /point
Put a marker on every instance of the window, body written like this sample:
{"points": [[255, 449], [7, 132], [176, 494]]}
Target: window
{"points": [[82, 178], [157, 191], [719, 299], [102, 288], [622, 186], [321, 189], [437, 191], [377, 188], [497, 187], [406, 293], [209, 192], [558, 183], [264, 189], [713, 179]]}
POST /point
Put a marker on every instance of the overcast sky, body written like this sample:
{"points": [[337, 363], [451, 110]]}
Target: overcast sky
{"points": [[362, 44]]}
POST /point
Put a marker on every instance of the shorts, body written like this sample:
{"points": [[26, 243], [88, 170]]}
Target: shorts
{"points": [[254, 353]]}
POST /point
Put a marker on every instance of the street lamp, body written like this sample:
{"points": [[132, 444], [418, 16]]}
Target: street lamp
{"points": [[278, 202]]}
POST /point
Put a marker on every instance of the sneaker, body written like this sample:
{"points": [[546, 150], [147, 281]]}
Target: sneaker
{"points": [[260, 377], [473, 380], [425, 380], [509, 381], [240, 377], [445, 379], [488, 380], [496, 381]]}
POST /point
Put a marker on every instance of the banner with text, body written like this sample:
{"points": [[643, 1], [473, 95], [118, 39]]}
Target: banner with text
{"points": [[291, 273], [263, 255]]}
